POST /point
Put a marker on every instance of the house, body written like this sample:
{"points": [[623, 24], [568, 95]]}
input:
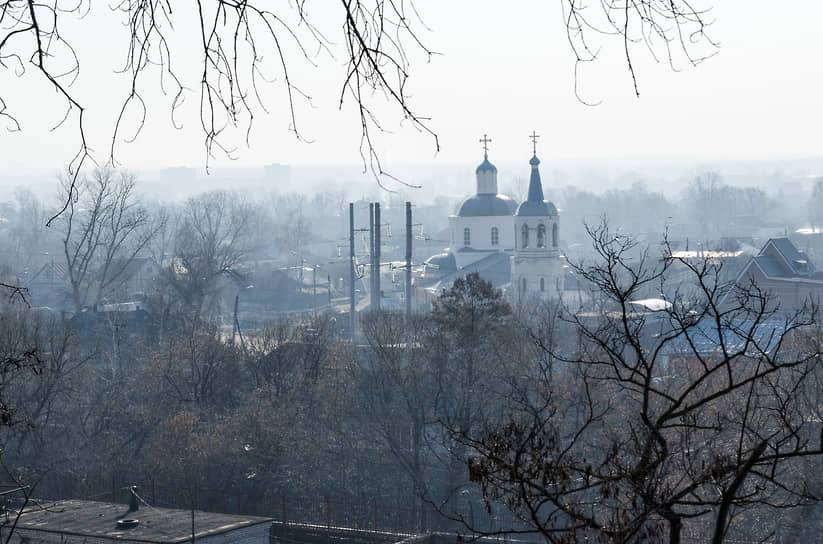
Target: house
{"points": [[784, 272], [49, 286], [91, 522]]}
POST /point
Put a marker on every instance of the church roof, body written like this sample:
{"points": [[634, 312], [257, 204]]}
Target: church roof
{"points": [[495, 268], [486, 166], [445, 262], [535, 205], [487, 205], [537, 208]]}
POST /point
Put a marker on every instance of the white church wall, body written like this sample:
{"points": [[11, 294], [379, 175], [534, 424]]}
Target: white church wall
{"points": [[527, 273], [481, 236]]}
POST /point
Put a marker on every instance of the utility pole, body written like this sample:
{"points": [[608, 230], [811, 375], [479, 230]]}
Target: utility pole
{"points": [[377, 228], [408, 262], [371, 256], [351, 270], [314, 290], [234, 321]]}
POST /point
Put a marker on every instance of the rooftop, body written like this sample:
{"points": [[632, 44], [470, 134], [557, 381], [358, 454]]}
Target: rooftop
{"points": [[93, 519], [487, 205]]}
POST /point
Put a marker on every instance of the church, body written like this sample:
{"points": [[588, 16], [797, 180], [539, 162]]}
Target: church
{"points": [[491, 230]]}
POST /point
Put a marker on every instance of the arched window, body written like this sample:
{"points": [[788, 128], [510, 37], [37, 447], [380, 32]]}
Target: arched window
{"points": [[541, 235], [524, 236], [523, 284], [554, 235], [467, 237], [495, 236], [542, 284]]}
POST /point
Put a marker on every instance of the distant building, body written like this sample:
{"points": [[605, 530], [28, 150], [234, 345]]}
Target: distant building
{"points": [[514, 247], [536, 268], [49, 286], [484, 223], [786, 273], [90, 522]]}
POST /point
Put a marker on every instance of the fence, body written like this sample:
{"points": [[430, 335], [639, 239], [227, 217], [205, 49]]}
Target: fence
{"points": [[332, 513]]}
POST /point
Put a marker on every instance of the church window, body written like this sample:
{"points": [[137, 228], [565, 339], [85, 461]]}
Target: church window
{"points": [[495, 236], [542, 284], [524, 235], [523, 283], [541, 235], [467, 237], [554, 235]]}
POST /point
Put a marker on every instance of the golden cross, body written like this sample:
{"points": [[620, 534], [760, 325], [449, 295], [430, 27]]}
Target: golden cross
{"points": [[534, 136], [485, 141]]}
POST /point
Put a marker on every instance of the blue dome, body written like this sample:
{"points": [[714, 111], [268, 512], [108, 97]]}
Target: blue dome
{"points": [[534, 161], [486, 166], [487, 205], [536, 208]]}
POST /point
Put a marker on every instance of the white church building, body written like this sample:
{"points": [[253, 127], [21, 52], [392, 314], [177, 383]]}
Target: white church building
{"points": [[489, 227], [484, 223]]}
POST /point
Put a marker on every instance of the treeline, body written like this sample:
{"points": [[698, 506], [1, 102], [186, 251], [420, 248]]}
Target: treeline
{"points": [[201, 250], [295, 414]]}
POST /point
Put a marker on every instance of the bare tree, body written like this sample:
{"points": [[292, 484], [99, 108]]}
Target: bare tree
{"points": [[197, 365], [214, 233], [672, 30], [104, 229], [649, 424], [397, 393], [246, 48], [32, 239]]}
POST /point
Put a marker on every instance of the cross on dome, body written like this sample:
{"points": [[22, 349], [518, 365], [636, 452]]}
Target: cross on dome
{"points": [[533, 137], [485, 140]]}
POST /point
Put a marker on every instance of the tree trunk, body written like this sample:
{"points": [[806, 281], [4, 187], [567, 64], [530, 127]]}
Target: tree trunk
{"points": [[675, 527]]}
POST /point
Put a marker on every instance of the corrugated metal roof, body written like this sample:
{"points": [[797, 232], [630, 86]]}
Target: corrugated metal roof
{"points": [[734, 334]]}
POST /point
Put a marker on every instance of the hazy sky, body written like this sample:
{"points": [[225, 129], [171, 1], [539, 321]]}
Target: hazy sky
{"points": [[502, 71]]}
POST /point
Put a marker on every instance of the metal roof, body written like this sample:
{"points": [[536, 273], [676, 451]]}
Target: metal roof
{"points": [[533, 208], [486, 166], [487, 205], [772, 267], [734, 333], [445, 262], [496, 268], [535, 205], [98, 520], [795, 259]]}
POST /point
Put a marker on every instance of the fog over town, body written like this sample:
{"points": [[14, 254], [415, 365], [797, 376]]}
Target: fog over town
{"points": [[386, 272]]}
